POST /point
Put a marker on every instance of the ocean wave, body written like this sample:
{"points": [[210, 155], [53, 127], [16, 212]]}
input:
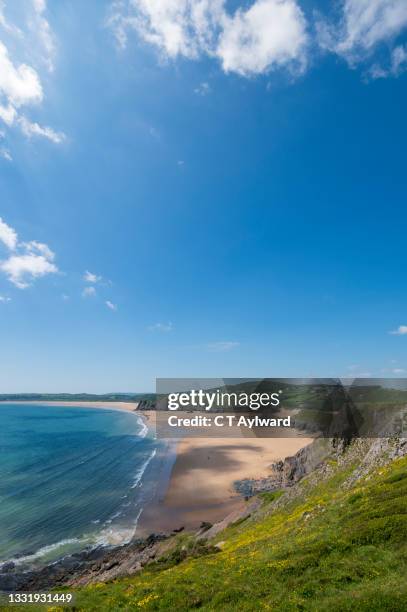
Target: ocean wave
{"points": [[46, 550], [87, 459], [144, 429], [110, 535], [116, 536], [142, 469]]}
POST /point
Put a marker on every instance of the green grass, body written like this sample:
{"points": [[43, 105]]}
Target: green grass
{"points": [[331, 548]]}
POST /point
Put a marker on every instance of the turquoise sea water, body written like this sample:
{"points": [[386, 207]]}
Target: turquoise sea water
{"points": [[70, 478]]}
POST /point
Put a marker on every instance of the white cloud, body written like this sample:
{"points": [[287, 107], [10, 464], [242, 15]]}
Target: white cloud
{"points": [[363, 25], [265, 35], [400, 331], [398, 371], [222, 346], [34, 129], [89, 292], [8, 114], [176, 27], [4, 299], [89, 277], [203, 89], [39, 248], [110, 305], [41, 27], [21, 270], [5, 154], [397, 65], [270, 34], [20, 82], [4, 23], [161, 327], [26, 260], [8, 236]]}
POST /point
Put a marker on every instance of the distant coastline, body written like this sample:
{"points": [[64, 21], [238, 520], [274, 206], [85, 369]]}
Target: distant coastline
{"points": [[117, 405], [76, 397]]}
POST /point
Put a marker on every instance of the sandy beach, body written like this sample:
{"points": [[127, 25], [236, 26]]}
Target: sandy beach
{"points": [[201, 484]]}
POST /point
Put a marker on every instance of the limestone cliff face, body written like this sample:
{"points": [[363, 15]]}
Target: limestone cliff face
{"points": [[312, 459], [314, 462], [288, 471]]}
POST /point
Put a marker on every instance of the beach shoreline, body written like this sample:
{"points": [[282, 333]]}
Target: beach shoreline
{"points": [[199, 485]]}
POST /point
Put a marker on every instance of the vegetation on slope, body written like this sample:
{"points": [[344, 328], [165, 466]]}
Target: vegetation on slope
{"points": [[336, 541], [333, 547]]}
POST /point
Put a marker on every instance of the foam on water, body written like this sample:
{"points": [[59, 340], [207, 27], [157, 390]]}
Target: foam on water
{"points": [[45, 551], [71, 479], [140, 472]]}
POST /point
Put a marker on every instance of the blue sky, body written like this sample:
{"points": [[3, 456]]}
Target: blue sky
{"points": [[193, 188]]}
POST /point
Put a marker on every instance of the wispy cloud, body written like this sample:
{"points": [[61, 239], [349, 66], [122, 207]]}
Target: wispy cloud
{"points": [[5, 154], [400, 331], [20, 82], [30, 129], [203, 89], [254, 39], [396, 66], [362, 26], [25, 261], [261, 36], [8, 235], [41, 28], [88, 292], [89, 277], [161, 327], [222, 346], [92, 281], [4, 299]]}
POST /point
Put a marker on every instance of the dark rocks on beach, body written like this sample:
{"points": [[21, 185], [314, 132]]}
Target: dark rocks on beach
{"points": [[102, 563], [285, 473], [154, 537]]}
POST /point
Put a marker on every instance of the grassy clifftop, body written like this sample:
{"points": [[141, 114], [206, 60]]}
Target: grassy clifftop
{"points": [[336, 544], [337, 541]]}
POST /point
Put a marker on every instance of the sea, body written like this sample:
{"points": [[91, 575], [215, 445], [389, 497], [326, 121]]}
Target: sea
{"points": [[72, 478]]}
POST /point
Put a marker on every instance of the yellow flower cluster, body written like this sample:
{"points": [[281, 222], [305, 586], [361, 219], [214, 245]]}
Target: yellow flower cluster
{"points": [[146, 600]]}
